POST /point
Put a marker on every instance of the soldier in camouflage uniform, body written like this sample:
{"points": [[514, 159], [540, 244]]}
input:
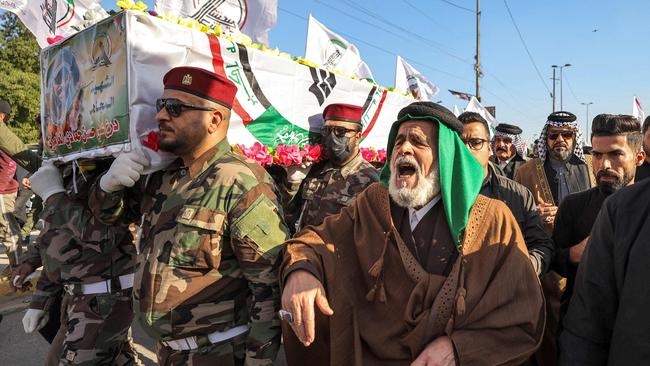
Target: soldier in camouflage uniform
{"points": [[91, 262], [207, 290], [334, 183]]}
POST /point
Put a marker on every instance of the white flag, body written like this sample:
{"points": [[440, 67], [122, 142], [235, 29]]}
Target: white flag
{"points": [[254, 18], [407, 78], [637, 110], [475, 106], [52, 18], [331, 51], [457, 112]]}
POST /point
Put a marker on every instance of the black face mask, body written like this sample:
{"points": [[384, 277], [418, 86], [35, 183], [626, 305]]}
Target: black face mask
{"points": [[338, 148]]}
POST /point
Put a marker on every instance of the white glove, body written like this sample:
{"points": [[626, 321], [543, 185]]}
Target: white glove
{"points": [[34, 319], [124, 172], [47, 181]]}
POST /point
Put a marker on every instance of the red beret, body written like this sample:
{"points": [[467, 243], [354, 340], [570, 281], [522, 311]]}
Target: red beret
{"points": [[202, 83], [343, 112]]}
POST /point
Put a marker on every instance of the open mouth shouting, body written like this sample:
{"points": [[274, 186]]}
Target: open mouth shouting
{"points": [[408, 171]]}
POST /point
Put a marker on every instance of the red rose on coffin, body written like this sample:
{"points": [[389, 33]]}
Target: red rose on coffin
{"points": [[381, 155], [152, 141], [313, 154], [288, 155], [257, 152], [368, 153]]}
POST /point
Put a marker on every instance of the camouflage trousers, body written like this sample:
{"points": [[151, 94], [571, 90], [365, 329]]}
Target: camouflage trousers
{"points": [[95, 330], [9, 228], [228, 353]]}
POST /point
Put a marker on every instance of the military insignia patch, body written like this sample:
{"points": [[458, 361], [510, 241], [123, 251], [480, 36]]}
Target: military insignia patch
{"points": [[188, 214], [70, 355], [187, 80]]}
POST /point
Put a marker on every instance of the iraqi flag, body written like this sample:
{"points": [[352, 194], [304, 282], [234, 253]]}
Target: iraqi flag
{"points": [[254, 18], [461, 95], [52, 19], [408, 79], [332, 52], [637, 110]]}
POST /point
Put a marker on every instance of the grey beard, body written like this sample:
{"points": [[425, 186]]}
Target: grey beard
{"points": [[418, 196], [560, 156]]}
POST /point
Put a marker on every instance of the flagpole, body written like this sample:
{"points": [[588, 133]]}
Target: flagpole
{"points": [[477, 66]]}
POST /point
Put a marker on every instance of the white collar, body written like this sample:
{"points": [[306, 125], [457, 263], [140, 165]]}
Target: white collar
{"points": [[416, 215], [504, 163]]}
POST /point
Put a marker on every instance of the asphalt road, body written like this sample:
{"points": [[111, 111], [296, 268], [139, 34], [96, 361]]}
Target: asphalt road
{"points": [[20, 349]]}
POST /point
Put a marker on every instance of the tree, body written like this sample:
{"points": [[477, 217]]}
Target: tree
{"points": [[20, 82]]}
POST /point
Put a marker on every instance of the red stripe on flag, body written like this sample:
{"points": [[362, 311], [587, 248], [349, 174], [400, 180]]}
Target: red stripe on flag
{"points": [[217, 64], [217, 60], [69, 19], [376, 116]]}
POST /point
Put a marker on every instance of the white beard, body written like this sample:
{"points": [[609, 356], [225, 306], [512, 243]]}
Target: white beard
{"points": [[418, 196]]}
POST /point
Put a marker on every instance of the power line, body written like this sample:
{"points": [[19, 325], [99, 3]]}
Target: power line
{"points": [[459, 7], [362, 20], [351, 37], [425, 40], [571, 88], [424, 14], [415, 62], [523, 42]]}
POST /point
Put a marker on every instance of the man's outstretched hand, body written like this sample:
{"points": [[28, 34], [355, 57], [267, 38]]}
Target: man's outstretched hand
{"points": [[300, 293]]}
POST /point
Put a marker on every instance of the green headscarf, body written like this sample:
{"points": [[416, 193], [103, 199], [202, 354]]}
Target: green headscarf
{"points": [[461, 175]]}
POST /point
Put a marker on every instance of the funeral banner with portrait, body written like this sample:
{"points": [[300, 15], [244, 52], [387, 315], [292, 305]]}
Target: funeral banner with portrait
{"points": [[100, 88]]}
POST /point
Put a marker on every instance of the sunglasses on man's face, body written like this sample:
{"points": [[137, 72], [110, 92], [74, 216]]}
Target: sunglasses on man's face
{"points": [[175, 107], [338, 130], [565, 134]]}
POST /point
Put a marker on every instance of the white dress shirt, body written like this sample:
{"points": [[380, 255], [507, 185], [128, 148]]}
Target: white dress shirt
{"points": [[416, 215], [502, 164]]}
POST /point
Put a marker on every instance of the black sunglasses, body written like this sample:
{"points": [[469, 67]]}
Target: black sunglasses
{"points": [[338, 130], [565, 134], [175, 107]]}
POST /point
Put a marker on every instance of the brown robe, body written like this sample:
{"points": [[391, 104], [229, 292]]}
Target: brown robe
{"points": [[387, 308], [533, 176]]}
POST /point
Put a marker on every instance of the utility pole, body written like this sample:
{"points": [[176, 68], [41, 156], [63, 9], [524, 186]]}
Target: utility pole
{"points": [[554, 79], [561, 84], [587, 120], [477, 65]]}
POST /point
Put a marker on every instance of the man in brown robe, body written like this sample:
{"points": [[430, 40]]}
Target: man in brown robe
{"points": [[419, 270], [560, 170]]}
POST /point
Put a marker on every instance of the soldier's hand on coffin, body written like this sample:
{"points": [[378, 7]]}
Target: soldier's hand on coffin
{"points": [[300, 293], [124, 172], [47, 181], [440, 352]]}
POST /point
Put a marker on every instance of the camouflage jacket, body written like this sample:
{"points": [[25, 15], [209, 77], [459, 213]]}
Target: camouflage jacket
{"points": [[74, 247], [327, 189], [211, 238]]}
